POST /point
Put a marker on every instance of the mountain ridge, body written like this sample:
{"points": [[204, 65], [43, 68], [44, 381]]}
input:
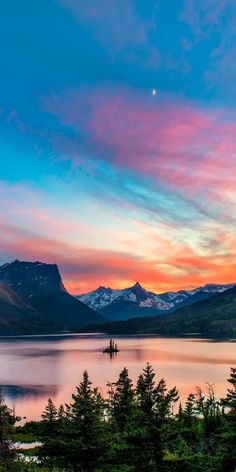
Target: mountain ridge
{"points": [[214, 317], [137, 301], [33, 299]]}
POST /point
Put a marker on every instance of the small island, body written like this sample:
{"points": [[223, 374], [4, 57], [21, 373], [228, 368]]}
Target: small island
{"points": [[112, 348]]}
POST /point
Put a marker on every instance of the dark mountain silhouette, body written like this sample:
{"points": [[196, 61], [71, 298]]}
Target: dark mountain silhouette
{"points": [[18, 317], [28, 278], [41, 287]]}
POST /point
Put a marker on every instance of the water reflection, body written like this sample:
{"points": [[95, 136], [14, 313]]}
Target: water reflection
{"points": [[111, 355], [14, 392], [165, 356], [34, 368]]}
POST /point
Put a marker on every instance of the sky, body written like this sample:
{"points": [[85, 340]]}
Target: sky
{"points": [[98, 174]]}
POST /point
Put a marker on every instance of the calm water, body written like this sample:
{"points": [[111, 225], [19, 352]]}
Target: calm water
{"points": [[34, 368]]}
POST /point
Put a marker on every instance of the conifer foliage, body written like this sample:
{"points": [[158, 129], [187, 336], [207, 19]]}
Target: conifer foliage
{"points": [[139, 428], [7, 422], [135, 428]]}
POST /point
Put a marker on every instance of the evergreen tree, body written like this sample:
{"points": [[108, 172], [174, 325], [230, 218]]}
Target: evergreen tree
{"points": [[165, 400], [86, 439], [146, 392], [155, 404], [49, 416], [155, 401], [7, 422], [229, 401], [78, 440], [189, 410], [50, 431], [123, 425], [212, 419], [122, 402], [61, 414], [137, 430], [180, 415], [228, 436]]}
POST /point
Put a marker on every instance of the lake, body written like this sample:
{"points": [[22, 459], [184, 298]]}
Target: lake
{"points": [[35, 368]]}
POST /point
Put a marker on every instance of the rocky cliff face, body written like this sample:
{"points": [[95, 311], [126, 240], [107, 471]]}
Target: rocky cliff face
{"points": [[29, 278], [40, 286]]}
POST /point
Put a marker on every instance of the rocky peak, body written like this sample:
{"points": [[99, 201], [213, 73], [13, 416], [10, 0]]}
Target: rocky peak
{"points": [[28, 278], [139, 292], [101, 288]]}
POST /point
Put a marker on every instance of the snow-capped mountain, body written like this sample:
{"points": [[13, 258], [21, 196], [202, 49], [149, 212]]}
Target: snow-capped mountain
{"points": [[102, 297], [137, 301], [191, 296]]}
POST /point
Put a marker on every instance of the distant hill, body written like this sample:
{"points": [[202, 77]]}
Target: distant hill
{"points": [[41, 287], [17, 317], [137, 301], [215, 316]]}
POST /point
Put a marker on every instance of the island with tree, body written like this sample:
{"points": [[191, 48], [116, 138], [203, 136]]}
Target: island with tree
{"points": [[112, 348]]}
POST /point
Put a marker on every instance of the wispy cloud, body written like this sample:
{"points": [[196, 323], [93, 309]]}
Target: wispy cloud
{"points": [[175, 257], [213, 23], [115, 23], [83, 266], [186, 151]]}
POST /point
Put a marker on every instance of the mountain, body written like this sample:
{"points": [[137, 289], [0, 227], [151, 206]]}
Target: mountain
{"points": [[26, 278], [137, 301], [124, 304], [40, 286], [214, 316], [17, 317]]}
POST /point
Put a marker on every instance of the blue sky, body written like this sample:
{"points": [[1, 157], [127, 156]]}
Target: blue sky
{"points": [[112, 183]]}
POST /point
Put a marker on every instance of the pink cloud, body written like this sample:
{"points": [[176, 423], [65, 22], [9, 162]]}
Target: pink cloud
{"points": [[185, 147], [85, 268]]}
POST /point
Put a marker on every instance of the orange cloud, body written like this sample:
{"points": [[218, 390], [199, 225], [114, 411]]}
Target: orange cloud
{"points": [[84, 268]]}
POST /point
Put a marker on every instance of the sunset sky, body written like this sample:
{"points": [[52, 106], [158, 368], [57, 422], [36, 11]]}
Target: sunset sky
{"points": [[111, 182]]}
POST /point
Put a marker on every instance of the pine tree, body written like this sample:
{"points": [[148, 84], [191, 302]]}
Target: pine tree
{"points": [[155, 405], [212, 420], [50, 413], [229, 401], [61, 414], [156, 402], [146, 392], [87, 427], [123, 399], [78, 440], [50, 431], [180, 415], [7, 421], [189, 410], [136, 430], [123, 451], [49, 416], [164, 401], [228, 435]]}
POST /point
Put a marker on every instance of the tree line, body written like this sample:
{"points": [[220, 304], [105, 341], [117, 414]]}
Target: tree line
{"points": [[141, 428]]}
